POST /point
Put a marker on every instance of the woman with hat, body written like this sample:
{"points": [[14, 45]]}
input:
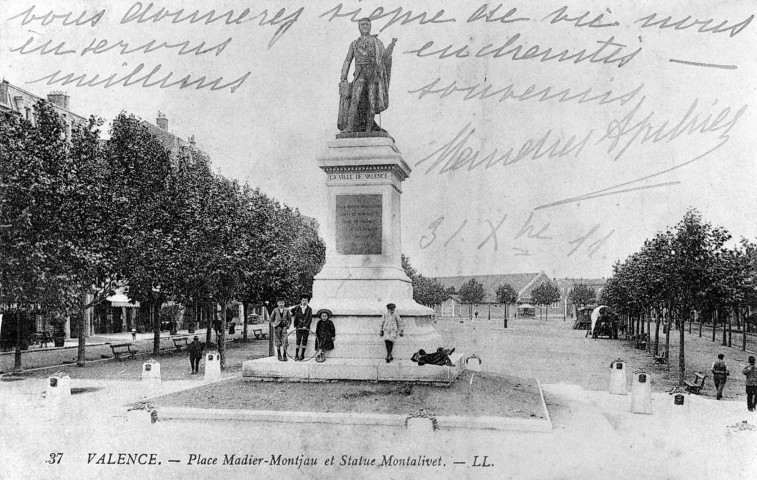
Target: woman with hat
{"points": [[391, 325], [325, 334]]}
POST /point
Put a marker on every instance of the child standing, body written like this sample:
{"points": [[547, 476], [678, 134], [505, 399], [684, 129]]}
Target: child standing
{"points": [[325, 334], [303, 316], [391, 325], [281, 318]]}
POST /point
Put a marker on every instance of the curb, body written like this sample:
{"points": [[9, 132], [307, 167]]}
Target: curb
{"points": [[444, 422]]}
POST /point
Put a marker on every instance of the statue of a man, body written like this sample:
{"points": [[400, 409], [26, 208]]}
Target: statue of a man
{"points": [[369, 92]]}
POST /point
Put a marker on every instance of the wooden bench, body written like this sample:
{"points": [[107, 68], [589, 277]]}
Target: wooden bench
{"points": [[123, 349], [180, 342], [641, 341], [697, 384], [259, 333], [661, 358]]}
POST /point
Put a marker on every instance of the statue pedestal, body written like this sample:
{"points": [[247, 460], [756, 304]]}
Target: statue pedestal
{"points": [[363, 270]]}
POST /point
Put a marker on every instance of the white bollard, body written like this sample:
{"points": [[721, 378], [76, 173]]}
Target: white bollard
{"points": [[641, 393], [618, 378], [151, 371], [212, 366], [58, 389], [473, 363]]}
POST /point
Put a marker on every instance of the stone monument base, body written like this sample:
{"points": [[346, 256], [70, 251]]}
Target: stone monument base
{"points": [[270, 368]]}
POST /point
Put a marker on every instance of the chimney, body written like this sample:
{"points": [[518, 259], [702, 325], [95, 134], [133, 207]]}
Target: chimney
{"points": [[162, 120], [4, 92], [59, 99], [192, 140]]}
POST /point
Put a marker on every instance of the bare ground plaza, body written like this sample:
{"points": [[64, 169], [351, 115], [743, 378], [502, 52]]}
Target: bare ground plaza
{"points": [[592, 434]]}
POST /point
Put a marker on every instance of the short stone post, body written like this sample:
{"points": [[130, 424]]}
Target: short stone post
{"points": [[151, 370], [212, 366], [618, 383], [641, 393]]}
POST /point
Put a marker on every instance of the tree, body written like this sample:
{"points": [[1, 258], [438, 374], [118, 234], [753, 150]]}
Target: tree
{"points": [[506, 295], [140, 175], [407, 267], [545, 294], [428, 291], [472, 292], [581, 295], [50, 203]]}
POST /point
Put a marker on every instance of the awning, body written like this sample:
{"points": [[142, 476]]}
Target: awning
{"points": [[524, 306], [121, 300]]}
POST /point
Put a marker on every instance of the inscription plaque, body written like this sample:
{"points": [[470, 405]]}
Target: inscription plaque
{"points": [[358, 224]]}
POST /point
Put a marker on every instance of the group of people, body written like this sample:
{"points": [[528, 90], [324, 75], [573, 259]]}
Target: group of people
{"points": [[325, 332], [720, 375], [302, 316]]}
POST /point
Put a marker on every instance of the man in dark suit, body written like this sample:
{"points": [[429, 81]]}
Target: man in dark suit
{"points": [[303, 315]]}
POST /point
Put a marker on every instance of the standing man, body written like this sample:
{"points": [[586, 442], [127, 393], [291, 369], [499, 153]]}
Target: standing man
{"points": [[303, 315], [751, 384], [369, 93], [720, 374], [281, 318], [195, 354]]}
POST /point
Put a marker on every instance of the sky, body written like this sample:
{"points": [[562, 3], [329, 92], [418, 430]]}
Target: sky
{"points": [[521, 162]]}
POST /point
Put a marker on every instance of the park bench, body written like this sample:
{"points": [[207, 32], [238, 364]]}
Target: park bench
{"points": [[697, 384], [641, 341], [662, 358], [259, 333], [180, 342], [123, 349]]}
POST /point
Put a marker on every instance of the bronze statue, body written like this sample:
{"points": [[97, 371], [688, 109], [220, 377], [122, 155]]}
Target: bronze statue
{"points": [[369, 92]]}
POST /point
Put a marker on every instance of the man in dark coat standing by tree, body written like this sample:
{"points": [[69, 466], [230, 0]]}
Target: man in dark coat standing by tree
{"points": [[195, 354]]}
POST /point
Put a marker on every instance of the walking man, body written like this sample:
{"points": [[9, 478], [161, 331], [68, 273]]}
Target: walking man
{"points": [[281, 318], [195, 354], [751, 384], [720, 374]]}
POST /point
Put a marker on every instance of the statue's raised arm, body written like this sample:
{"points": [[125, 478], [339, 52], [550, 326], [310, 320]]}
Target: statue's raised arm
{"points": [[368, 94]]}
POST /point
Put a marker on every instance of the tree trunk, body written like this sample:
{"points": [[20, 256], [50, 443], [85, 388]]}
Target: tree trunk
{"points": [[507, 309], [17, 357], [244, 320], [743, 331], [721, 317], [714, 317], [699, 316], [221, 338], [681, 354], [657, 334], [208, 324], [82, 321], [667, 341], [155, 322], [730, 326]]}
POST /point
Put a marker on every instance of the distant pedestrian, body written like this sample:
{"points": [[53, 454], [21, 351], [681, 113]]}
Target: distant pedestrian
{"points": [[720, 374], [280, 319], [302, 317], [195, 354], [133, 333], [751, 384], [232, 327], [325, 335], [391, 325]]}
